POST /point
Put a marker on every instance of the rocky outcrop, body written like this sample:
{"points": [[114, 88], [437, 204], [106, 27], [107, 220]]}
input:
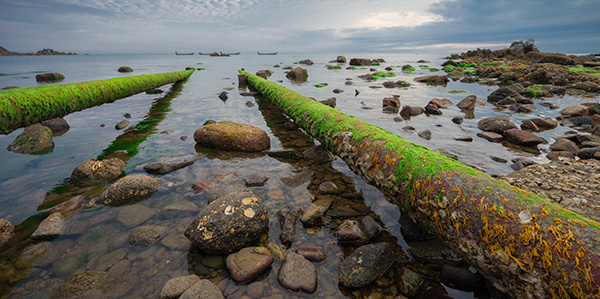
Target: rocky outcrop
{"points": [[47, 51], [129, 189], [125, 69], [229, 223], [93, 172], [340, 59], [233, 136], [34, 140], [306, 61]]}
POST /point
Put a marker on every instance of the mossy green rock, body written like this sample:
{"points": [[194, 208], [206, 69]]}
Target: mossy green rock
{"points": [[129, 189], [35, 139], [125, 69], [233, 136]]}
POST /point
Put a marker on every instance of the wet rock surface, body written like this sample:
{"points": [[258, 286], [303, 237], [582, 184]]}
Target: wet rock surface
{"points": [[129, 189], [229, 223], [203, 289], [166, 167], [312, 254], [51, 228], [93, 171], [145, 235], [79, 284], [7, 231], [175, 287], [365, 265], [287, 223], [232, 136], [58, 126], [34, 140], [297, 274], [248, 263]]}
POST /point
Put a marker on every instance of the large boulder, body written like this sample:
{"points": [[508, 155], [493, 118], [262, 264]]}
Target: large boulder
{"points": [[433, 79], [365, 265], [49, 77], [233, 136], [7, 231], [521, 137], [57, 125], [129, 189], [229, 223], [360, 61], [297, 74], [340, 59], [503, 92], [297, 273], [93, 172], [516, 48], [35, 139], [248, 263], [203, 289], [125, 69], [306, 61], [175, 287]]}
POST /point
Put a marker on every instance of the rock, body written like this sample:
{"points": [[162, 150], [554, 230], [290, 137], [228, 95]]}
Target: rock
{"points": [[463, 138], [441, 103], [390, 84], [94, 172], [589, 153], [467, 103], [402, 83], [229, 223], [177, 286], [371, 227], [433, 79], [287, 223], [564, 144], [522, 108], [166, 167], [337, 90], [233, 136], [125, 69], [297, 274], [350, 232], [255, 181], [295, 180], [46, 77], [314, 255], [461, 278], [298, 74], [408, 111], [256, 289], [306, 61], [223, 96], [502, 93], [264, 74], [457, 120], [497, 124], [538, 124], [145, 235], [425, 134], [576, 110], [318, 153], [366, 264], [7, 231], [10, 87], [35, 139], [340, 59], [432, 109], [134, 215], [554, 58], [329, 102], [409, 282], [122, 124], [587, 86], [557, 155], [393, 102], [520, 137], [129, 189], [491, 136], [77, 285], [51, 228], [516, 48], [360, 61], [248, 263], [434, 252], [203, 289], [57, 125]]}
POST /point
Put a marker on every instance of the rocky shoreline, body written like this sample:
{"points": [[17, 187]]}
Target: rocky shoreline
{"points": [[43, 52]]}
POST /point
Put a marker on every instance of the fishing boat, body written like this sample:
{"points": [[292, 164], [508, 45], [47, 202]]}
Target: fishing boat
{"points": [[220, 54], [176, 53], [236, 53], [204, 53], [273, 53]]}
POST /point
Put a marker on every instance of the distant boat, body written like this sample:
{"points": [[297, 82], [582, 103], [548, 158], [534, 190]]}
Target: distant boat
{"points": [[184, 53], [204, 53], [274, 53], [236, 53]]}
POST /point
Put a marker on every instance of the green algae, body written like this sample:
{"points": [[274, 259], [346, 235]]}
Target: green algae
{"points": [[456, 91], [408, 69], [25, 106], [378, 75], [449, 68], [375, 63], [584, 70], [333, 67], [320, 85]]}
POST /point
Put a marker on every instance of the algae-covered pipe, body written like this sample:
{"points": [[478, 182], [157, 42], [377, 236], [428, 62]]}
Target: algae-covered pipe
{"points": [[21, 107], [527, 246]]}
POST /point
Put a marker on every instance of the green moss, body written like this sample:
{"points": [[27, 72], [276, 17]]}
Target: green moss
{"points": [[456, 91], [408, 69], [25, 106], [472, 71], [584, 70], [449, 69], [465, 64], [319, 85], [375, 63], [333, 67], [536, 91], [378, 75], [424, 66]]}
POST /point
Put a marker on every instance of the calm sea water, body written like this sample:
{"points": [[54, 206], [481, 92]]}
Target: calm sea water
{"points": [[96, 240]]}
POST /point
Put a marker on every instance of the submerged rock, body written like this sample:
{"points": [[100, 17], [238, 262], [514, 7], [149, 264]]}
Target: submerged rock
{"points": [[229, 223], [145, 235], [166, 167], [93, 172], [297, 274], [35, 139], [314, 255], [204, 289], [79, 284], [129, 189], [175, 287], [51, 228], [57, 125], [365, 265], [287, 222], [234, 136], [433, 79], [248, 263], [350, 232]]}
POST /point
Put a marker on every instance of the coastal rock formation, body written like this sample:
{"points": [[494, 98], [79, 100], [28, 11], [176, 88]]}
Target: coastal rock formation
{"points": [[5, 52], [233, 136], [360, 61]]}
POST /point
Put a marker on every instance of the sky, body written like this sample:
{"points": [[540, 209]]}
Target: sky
{"points": [[291, 26]]}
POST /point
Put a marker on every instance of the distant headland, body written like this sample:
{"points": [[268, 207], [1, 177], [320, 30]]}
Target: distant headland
{"points": [[5, 52]]}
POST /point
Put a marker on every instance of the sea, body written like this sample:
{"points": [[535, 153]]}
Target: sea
{"points": [[33, 186]]}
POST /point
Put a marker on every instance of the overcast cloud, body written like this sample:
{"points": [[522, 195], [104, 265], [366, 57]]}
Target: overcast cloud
{"points": [[164, 26]]}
